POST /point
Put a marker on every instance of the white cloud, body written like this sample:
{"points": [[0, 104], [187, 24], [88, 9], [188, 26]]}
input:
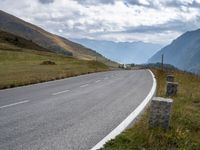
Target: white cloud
{"points": [[144, 2], [145, 37], [109, 19]]}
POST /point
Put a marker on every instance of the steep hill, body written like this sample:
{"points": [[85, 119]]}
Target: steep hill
{"points": [[124, 52], [183, 52], [54, 43], [10, 41], [23, 62]]}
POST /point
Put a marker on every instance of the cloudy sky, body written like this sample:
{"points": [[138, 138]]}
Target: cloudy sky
{"points": [[155, 21]]}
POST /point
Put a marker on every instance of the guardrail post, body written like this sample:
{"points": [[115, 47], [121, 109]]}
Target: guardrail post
{"points": [[170, 78], [172, 88], [160, 111]]}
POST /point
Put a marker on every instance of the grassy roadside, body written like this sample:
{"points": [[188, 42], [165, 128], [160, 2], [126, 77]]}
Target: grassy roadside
{"points": [[23, 67], [184, 132]]}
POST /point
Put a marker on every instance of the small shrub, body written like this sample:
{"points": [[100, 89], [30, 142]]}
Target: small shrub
{"points": [[12, 85], [48, 62]]}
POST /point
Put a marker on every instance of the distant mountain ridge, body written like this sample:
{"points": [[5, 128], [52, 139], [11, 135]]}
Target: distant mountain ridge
{"points": [[124, 52], [54, 43], [183, 52]]}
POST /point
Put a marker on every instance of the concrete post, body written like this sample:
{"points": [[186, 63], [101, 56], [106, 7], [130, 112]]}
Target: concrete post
{"points": [[160, 111], [170, 78], [172, 88]]}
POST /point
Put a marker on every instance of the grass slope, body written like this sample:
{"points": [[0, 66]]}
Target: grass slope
{"points": [[184, 132], [17, 42], [20, 66]]}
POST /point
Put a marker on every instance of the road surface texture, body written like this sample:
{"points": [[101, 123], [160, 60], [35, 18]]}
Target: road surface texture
{"points": [[69, 114]]}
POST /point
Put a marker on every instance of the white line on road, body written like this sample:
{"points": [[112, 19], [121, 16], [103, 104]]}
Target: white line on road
{"points": [[98, 81], [124, 124], [13, 104], [84, 85], [60, 92]]}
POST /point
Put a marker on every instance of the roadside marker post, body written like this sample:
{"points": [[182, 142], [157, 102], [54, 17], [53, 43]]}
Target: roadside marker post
{"points": [[160, 112], [170, 78]]}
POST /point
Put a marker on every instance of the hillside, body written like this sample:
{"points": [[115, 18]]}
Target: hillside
{"points": [[10, 41], [22, 66], [23, 62], [124, 52], [184, 52], [54, 43]]}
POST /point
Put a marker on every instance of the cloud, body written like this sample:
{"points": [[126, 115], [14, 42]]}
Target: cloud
{"points": [[165, 3], [139, 2], [46, 1], [158, 37], [158, 21], [95, 2]]}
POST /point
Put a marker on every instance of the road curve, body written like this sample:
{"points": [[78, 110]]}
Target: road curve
{"points": [[70, 114]]}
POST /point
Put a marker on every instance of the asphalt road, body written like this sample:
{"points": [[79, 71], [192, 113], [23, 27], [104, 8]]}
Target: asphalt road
{"points": [[69, 114]]}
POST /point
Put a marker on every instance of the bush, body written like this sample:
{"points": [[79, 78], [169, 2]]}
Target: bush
{"points": [[48, 62]]}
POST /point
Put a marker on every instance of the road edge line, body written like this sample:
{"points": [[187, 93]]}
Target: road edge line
{"points": [[124, 124]]}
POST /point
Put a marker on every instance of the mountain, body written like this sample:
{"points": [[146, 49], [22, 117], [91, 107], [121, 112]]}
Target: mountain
{"points": [[183, 52], [12, 42], [123, 52], [54, 43]]}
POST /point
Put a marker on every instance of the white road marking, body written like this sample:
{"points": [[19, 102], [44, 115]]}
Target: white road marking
{"points": [[124, 124], [13, 104], [98, 81], [60, 92], [85, 85]]}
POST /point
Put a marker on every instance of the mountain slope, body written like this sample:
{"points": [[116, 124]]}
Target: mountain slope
{"points": [[19, 66], [184, 52], [23, 62], [54, 43], [124, 52], [10, 41]]}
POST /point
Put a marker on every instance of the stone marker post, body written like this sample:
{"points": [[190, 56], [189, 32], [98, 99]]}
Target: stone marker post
{"points": [[170, 78], [172, 88], [160, 111]]}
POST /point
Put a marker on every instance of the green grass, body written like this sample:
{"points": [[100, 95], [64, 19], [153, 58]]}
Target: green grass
{"points": [[184, 132], [22, 67]]}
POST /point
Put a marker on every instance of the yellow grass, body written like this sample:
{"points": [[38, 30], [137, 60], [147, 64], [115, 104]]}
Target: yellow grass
{"points": [[24, 67]]}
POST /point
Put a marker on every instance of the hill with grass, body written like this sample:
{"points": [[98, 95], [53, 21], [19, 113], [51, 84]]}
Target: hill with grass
{"points": [[10, 41], [183, 52], [52, 42], [23, 62]]}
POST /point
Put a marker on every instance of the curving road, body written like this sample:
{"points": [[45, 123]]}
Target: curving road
{"points": [[69, 114]]}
